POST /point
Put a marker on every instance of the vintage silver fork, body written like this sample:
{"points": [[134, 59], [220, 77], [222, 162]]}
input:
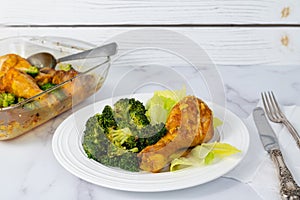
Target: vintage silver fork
{"points": [[276, 115]]}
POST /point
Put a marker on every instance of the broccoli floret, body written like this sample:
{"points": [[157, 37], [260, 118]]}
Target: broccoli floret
{"points": [[20, 99], [65, 66], [107, 120], [97, 146], [123, 138], [6, 99], [128, 161], [130, 112], [95, 142], [137, 113], [135, 142], [59, 94], [32, 71], [121, 112], [118, 137], [115, 136], [150, 134], [47, 86]]}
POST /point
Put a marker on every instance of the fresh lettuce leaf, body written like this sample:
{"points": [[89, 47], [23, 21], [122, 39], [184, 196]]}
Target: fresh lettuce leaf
{"points": [[175, 95], [161, 104], [204, 154], [217, 122], [222, 150], [209, 158]]}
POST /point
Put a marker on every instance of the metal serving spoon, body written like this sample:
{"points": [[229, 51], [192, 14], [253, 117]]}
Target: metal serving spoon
{"points": [[45, 59]]}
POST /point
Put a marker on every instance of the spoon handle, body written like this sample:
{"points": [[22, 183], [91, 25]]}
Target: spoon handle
{"points": [[102, 51]]}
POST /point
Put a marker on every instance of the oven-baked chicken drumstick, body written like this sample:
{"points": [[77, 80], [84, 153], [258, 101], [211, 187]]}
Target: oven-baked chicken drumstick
{"points": [[190, 123]]}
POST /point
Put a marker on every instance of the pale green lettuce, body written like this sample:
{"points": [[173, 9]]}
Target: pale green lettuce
{"points": [[161, 104], [217, 122], [204, 154]]}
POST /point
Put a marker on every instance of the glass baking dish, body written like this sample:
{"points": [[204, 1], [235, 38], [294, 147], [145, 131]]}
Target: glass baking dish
{"points": [[32, 112]]}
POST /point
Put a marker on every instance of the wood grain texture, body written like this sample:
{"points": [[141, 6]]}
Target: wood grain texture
{"points": [[225, 46], [145, 12]]}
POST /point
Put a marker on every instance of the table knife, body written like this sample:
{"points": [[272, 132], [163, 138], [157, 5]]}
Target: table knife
{"points": [[288, 187]]}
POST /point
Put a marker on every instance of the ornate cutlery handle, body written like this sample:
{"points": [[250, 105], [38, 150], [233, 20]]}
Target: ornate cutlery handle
{"points": [[288, 187]]}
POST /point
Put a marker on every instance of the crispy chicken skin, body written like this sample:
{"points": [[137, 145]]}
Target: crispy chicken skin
{"points": [[20, 84], [62, 76], [13, 78], [45, 76], [49, 75], [12, 61], [190, 123]]}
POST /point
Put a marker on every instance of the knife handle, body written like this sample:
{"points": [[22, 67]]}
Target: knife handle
{"points": [[288, 187]]}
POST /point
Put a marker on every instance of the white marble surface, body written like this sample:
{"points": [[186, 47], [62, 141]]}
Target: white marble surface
{"points": [[30, 171]]}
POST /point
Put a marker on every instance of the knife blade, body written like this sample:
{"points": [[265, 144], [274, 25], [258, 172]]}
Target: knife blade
{"points": [[288, 187], [266, 133]]}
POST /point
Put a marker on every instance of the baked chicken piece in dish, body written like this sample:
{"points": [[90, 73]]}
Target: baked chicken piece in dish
{"points": [[15, 79], [189, 124], [15, 61], [19, 84]]}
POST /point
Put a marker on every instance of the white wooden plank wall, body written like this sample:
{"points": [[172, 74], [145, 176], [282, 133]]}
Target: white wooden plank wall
{"points": [[103, 12], [233, 32], [225, 46]]}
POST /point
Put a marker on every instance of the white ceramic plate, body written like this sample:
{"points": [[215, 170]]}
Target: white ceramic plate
{"points": [[68, 151]]}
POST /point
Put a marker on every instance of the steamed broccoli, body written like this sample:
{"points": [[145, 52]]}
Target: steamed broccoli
{"points": [[58, 92], [134, 131], [137, 113], [130, 112], [123, 138], [65, 66], [150, 134], [32, 71], [137, 141], [47, 86], [98, 147], [107, 120], [115, 136], [95, 142], [20, 99], [127, 161], [6, 99]]}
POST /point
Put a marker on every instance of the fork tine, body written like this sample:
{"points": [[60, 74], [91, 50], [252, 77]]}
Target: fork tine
{"points": [[275, 114], [263, 97], [266, 104], [277, 110]]}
